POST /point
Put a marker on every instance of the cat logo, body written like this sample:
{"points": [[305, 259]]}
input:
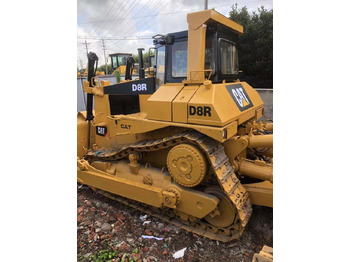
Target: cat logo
{"points": [[240, 97], [101, 130]]}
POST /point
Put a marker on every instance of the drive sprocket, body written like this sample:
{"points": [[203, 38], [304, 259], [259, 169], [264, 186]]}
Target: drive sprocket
{"points": [[187, 165]]}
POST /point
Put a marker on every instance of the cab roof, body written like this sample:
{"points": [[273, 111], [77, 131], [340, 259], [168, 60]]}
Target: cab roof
{"points": [[115, 54], [196, 19]]}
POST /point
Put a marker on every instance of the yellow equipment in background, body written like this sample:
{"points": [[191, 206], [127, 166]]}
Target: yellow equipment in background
{"points": [[265, 255], [98, 73], [150, 72], [186, 145], [119, 62]]}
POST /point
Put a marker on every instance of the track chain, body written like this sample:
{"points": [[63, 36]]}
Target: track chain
{"points": [[221, 166]]}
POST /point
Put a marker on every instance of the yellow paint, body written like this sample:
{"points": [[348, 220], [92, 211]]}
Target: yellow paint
{"points": [[159, 105], [180, 104], [195, 104]]}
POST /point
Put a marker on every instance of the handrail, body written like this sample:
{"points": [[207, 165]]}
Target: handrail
{"points": [[205, 70]]}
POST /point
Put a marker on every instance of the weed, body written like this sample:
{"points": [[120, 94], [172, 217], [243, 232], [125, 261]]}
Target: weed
{"points": [[104, 256]]}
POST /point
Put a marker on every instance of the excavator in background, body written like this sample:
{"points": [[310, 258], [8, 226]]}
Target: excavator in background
{"points": [[185, 145]]}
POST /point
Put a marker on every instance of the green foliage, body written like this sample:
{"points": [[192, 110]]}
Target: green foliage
{"points": [[104, 256], [136, 58], [255, 45], [117, 75], [130, 257], [145, 58], [107, 255], [103, 69]]}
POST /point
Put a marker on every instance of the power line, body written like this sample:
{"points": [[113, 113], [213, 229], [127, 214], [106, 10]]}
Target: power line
{"points": [[125, 26], [128, 11], [125, 12], [115, 43], [104, 52], [108, 11], [86, 47], [117, 11], [150, 20], [123, 38], [118, 38], [141, 9], [129, 18], [140, 24]]}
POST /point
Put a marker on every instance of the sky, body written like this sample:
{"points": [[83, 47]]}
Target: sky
{"points": [[126, 25]]}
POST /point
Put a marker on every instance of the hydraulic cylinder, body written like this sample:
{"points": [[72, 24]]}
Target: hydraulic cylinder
{"points": [[257, 169], [263, 141]]}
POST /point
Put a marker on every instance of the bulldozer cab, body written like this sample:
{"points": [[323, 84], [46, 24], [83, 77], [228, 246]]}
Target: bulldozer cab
{"points": [[119, 59], [206, 51], [220, 55]]}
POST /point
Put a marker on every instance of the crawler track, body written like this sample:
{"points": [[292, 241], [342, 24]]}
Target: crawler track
{"points": [[222, 169]]}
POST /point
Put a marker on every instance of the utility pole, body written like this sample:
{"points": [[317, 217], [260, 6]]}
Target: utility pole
{"points": [[104, 52], [87, 50], [205, 4], [86, 47], [81, 63]]}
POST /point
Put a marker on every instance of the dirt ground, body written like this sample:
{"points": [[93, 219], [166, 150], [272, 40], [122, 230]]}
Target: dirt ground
{"points": [[104, 224]]}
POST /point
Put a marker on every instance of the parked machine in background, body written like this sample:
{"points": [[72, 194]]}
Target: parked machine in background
{"points": [[118, 61], [185, 145], [98, 73], [151, 62]]}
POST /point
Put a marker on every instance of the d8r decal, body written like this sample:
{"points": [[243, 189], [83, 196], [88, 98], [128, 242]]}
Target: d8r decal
{"points": [[200, 111], [139, 87], [240, 96]]}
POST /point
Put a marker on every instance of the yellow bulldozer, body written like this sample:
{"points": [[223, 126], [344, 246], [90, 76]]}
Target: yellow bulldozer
{"points": [[185, 145]]}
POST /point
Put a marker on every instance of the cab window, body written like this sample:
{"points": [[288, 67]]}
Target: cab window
{"points": [[114, 62], [122, 60], [209, 55], [160, 71], [153, 61], [228, 57], [179, 59]]}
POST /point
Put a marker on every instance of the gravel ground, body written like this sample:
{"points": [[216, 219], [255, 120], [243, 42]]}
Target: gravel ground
{"points": [[106, 224]]}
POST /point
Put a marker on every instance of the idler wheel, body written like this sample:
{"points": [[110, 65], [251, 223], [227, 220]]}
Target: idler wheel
{"points": [[224, 215], [187, 165]]}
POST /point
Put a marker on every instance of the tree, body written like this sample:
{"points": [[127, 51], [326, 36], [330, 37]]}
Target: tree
{"points": [[103, 69], [255, 45], [145, 58], [136, 58]]}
